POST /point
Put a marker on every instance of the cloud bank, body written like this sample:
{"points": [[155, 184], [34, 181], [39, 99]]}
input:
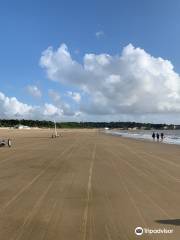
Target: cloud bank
{"points": [[11, 107], [133, 82]]}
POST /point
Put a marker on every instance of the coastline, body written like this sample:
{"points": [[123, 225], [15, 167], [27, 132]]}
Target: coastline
{"points": [[171, 137]]}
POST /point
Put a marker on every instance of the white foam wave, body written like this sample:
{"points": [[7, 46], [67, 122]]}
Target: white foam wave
{"points": [[170, 138]]}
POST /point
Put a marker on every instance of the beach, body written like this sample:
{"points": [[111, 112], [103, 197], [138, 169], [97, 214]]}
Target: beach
{"points": [[87, 185]]}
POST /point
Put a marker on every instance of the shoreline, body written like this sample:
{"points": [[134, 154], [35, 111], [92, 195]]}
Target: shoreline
{"points": [[168, 139]]}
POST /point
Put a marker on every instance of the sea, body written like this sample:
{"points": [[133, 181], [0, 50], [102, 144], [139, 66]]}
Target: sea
{"points": [[170, 136]]}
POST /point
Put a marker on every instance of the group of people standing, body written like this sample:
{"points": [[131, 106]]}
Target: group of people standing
{"points": [[157, 135]]}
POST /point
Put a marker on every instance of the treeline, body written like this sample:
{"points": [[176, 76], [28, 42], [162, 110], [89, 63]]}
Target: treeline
{"points": [[50, 124]]}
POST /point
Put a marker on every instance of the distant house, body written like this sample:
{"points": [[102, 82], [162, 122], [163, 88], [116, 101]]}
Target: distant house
{"points": [[21, 127], [133, 128]]}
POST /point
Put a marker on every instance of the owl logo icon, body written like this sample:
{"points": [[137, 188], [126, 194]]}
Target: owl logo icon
{"points": [[139, 231]]}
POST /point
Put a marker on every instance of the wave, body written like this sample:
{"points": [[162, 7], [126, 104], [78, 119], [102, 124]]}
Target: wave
{"points": [[170, 138]]}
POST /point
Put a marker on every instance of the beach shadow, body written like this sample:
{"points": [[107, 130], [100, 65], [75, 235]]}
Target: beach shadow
{"points": [[175, 222]]}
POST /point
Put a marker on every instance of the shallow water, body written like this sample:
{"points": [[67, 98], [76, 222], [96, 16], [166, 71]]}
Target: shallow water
{"points": [[170, 136]]}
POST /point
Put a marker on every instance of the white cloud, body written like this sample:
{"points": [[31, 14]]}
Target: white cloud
{"points": [[99, 34], [131, 83], [11, 107], [34, 91], [55, 96], [59, 103], [60, 66], [51, 110], [75, 96]]}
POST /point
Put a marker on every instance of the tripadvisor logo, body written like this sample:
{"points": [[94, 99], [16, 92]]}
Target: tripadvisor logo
{"points": [[139, 231]]}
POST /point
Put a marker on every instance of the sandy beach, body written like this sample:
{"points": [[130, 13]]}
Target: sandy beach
{"points": [[87, 185]]}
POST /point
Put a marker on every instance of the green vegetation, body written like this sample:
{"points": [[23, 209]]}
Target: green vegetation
{"points": [[50, 124]]}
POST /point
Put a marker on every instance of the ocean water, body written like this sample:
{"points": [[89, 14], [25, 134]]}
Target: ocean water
{"points": [[170, 136]]}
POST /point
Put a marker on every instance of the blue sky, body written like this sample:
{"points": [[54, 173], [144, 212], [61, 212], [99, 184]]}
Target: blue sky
{"points": [[29, 27]]}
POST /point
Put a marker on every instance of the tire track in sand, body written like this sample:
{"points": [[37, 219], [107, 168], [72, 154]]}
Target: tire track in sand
{"points": [[30, 216], [32, 181], [89, 188]]}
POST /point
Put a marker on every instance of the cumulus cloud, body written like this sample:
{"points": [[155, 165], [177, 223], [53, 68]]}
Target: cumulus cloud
{"points": [[11, 107], [34, 91], [99, 34], [60, 65], [75, 96], [59, 103], [51, 110], [133, 82]]}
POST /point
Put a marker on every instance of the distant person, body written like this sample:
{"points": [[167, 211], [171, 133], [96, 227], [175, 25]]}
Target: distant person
{"points": [[157, 135], [153, 136], [162, 136]]}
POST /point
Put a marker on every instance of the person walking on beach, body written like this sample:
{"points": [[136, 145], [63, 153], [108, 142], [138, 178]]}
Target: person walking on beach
{"points": [[157, 135], [162, 136], [153, 136]]}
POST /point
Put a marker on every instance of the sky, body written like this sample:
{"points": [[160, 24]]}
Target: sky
{"points": [[97, 60]]}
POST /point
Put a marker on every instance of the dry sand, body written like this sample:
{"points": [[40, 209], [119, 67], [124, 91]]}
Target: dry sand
{"points": [[87, 185]]}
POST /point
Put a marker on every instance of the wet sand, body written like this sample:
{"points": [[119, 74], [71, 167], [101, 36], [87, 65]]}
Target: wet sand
{"points": [[87, 185]]}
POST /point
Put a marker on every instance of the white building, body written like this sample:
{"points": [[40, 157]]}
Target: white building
{"points": [[21, 127]]}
